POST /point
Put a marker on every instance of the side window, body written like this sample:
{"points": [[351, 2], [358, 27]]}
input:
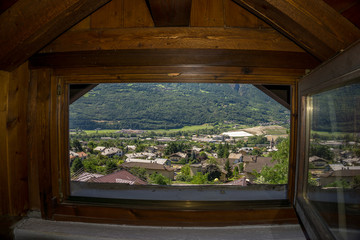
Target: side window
{"points": [[333, 186]]}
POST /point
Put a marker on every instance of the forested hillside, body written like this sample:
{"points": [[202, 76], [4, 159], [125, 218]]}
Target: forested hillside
{"points": [[172, 105]]}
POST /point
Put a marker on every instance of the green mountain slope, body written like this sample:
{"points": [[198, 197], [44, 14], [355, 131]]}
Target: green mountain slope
{"points": [[172, 105]]}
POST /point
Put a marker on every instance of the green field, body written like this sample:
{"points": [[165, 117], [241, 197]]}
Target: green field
{"points": [[184, 129]]}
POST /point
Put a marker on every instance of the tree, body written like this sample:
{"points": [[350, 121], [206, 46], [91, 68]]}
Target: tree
{"points": [[200, 178], [139, 172], [228, 169], [213, 172], [184, 174], [77, 145], [322, 151], [278, 174], [76, 165], [159, 179]]}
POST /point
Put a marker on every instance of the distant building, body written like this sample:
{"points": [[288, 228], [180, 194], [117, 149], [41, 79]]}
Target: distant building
{"points": [[238, 182], [177, 156], [236, 157], [151, 168], [345, 173], [99, 148], [256, 164], [318, 161], [111, 152], [85, 177], [161, 161], [122, 176]]}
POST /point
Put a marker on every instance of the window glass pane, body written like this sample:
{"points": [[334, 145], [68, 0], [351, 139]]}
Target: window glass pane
{"points": [[181, 135], [334, 159]]}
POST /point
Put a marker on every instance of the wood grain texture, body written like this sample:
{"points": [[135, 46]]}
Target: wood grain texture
{"points": [[122, 14], [32, 135], [17, 131], [137, 14], [118, 215], [176, 57], [4, 178], [29, 25], [42, 139], [237, 16], [179, 69], [13, 155], [175, 38], [207, 13], [313, 25], [109, 16]]}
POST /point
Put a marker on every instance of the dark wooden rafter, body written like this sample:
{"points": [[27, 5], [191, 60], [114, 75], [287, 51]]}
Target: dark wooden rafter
{"points": [[280, 93], [313, 25], [170, 13], [28, 25], [175, 57], [78, 90]]}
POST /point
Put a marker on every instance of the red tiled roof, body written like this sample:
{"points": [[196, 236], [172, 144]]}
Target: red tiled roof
{"points": [[122, 176]]}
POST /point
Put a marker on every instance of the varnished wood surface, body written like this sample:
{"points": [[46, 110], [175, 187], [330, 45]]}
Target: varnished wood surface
{"points": [[29, 25], [173, 38], [4, 175], [314, 25], [176, 57], [117, 215], [13, 155]]}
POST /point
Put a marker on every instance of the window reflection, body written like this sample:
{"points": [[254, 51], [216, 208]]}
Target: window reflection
{"points": [[334, 159]]}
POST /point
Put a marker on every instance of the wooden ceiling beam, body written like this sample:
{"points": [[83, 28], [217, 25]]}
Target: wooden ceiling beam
{"points": [[175, 38], [175, 57], [313, 25], [170, 13], [29, 25]]}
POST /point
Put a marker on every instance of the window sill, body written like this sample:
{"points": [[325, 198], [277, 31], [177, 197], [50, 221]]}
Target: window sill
{"points": [[33, 228]]}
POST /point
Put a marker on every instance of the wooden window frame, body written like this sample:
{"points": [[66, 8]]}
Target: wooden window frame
{"points": [[341, 70], [50, 124]]}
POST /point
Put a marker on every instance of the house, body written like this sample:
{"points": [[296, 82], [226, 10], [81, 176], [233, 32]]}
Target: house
{"points": [[111, 152], [318, 162], [347, 174], [121, 176], [175, 157], [257, 164], [161, 161], [131, 147], [85, 177], [151, 168], [236, 157], [195, 168], [238, 182], [99, 148]]}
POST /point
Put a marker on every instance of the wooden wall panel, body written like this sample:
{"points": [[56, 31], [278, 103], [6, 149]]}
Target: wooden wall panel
{"points": [[17, 131], [4, 187], [83, 25], [42, 138], [207, 13], [122, 13], [34, 197], [236, 16], [13, 155], [137, 14], [109, 16]]}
